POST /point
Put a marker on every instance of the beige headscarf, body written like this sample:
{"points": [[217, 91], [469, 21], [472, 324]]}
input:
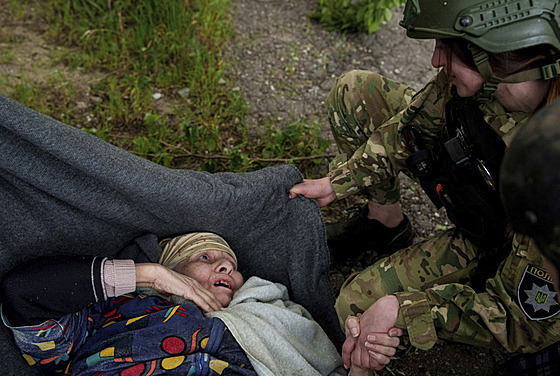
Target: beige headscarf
{"points": [[181, 247]]}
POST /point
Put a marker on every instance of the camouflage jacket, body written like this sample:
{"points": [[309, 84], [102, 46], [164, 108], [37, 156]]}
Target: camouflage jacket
{"points": [[383, 156]]}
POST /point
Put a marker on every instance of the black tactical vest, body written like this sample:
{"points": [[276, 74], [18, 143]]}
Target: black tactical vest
{"points": [[461, 172]]}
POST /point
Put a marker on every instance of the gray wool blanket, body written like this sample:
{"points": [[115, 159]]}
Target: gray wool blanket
{"points": [[63, 191]]}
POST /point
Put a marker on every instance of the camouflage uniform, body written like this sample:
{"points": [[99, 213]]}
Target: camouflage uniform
{"points": [[431, 279]]}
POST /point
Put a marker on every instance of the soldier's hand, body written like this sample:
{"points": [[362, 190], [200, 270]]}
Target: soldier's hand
{"points": [[372, 338], [320, 190]]}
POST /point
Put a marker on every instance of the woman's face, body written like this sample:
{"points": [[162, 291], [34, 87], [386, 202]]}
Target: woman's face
{"points": [[216, 271], [523, 96], [466, 79]]}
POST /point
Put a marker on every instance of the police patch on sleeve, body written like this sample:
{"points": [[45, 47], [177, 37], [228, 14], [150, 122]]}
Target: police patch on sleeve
{"points": [[536, 295]]}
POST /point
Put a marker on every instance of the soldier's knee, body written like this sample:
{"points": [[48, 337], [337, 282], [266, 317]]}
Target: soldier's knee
{"points": [[355, 77], [349, 85], [350, 122], [357, 295]]}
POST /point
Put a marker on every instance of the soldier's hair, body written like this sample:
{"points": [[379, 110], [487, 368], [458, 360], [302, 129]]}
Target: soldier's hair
{"points": [[506, 63]]}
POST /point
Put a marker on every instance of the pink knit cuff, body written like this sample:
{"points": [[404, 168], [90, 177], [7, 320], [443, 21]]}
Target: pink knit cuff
{"points": [[119, 277]]}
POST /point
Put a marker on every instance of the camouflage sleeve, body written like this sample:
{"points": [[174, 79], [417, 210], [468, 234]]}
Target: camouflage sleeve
{"points": [[453, 312], [415, 316], [517, 312], [342, 180], [374, 166]]}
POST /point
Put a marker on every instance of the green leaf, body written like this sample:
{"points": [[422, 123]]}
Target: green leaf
{"points": [[388, 14], [210, 143], [346, 15]]}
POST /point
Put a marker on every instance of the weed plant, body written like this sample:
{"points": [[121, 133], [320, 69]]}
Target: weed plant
{"points": [[151, 49], [355, 15]]}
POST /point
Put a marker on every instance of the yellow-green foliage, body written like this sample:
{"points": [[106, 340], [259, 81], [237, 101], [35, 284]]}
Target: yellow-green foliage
{"points": [[355, 16]]}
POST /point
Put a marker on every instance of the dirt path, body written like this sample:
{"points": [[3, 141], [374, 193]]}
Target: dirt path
{"points": [[286, 65]]}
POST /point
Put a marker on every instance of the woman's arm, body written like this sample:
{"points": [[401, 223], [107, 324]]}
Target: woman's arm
{"points": [[49, 287], [171, 282]]}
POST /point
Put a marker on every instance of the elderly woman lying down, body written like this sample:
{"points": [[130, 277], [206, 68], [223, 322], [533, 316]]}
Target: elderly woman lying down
{"points": [[87, 315]]}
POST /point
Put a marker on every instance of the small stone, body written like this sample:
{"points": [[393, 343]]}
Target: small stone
{"points": [[96, 99], [185, 92]]}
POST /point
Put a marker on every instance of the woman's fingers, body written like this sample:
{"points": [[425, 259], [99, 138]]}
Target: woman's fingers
{"points": [[381, 347], [169, 281], [203, 298], [352, 326], [355, 371], [347, 349], [205, 301], [382, 350]]}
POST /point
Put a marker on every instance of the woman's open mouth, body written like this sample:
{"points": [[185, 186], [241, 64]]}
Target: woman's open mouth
{"points": [[224, 282]]}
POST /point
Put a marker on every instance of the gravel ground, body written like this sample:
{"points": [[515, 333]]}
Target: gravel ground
{"points": [[286, 65]]}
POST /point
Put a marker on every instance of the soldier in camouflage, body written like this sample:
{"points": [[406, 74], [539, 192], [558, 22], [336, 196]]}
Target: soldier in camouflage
{"points": [[530, 191], [530, 184], [503, 57]]}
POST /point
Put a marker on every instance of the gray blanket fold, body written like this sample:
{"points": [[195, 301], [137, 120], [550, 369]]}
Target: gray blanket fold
{"points": [[65, 191]]}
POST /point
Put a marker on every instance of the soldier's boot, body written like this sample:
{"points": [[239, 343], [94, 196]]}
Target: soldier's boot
{"points": [[359, 233]]}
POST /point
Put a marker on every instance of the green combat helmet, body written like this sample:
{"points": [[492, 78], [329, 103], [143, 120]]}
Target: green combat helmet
{"points": [[530, 181], [490, 26]]}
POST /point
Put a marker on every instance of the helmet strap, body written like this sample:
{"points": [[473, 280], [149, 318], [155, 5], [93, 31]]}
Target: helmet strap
{"points": [[482, 62], [486, 93], [546, 72]]}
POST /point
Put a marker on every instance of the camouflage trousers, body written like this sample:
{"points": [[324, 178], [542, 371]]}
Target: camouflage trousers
{"points": [[446, 258], [359, 103], [514, 310]]}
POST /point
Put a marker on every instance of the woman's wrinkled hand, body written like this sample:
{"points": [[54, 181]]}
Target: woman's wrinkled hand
{"points": [[320, 190], [168, 281], [372, 338]]}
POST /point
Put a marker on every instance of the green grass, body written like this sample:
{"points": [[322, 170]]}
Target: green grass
{"points": [[51, 97], [137, 49], [146, 45]]}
